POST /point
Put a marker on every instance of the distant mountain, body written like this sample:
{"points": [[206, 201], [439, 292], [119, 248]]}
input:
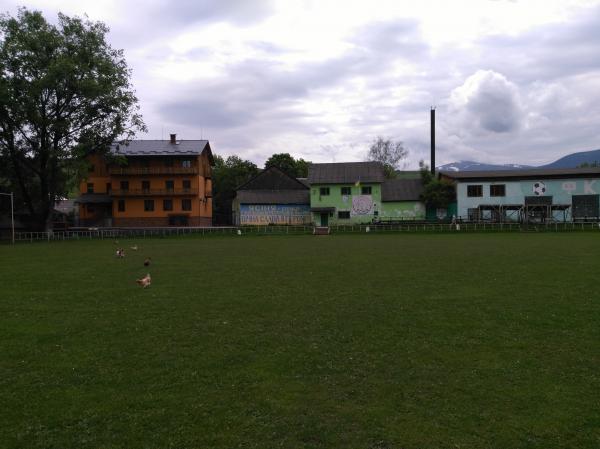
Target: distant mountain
{"points": [[569, 161], [472, 166], [575, 159]]}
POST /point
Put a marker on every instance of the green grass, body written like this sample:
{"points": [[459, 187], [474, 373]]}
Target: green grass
{"points": [[355, 341]]}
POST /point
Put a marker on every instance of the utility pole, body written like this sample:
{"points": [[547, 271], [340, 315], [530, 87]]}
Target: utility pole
{"points": [[12, 213]]}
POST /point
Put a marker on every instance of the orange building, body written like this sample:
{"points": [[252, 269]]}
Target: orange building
{"points": [[157, 183]]}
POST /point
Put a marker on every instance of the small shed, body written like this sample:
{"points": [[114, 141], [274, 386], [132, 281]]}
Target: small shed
{"points": [[272, 198]]}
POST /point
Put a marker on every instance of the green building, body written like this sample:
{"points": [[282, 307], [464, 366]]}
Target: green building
{"points": [[358, 193]]}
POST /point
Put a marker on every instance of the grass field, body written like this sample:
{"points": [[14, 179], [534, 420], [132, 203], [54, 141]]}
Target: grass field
{"points": [[355, 341]]}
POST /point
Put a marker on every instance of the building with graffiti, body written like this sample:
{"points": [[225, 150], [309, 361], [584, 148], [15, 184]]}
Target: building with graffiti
{"points": [[532, 195], [272, 198], [358, 193]]}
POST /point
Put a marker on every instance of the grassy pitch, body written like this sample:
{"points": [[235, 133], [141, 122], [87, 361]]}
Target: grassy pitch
{"points": [[351, 341]]}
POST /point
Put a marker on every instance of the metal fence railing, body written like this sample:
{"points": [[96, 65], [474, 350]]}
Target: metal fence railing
{"points": [[114, 233]]}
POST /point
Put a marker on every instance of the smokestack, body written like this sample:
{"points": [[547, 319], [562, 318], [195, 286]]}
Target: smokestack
{"points": [[173, 138], [433, 141]]}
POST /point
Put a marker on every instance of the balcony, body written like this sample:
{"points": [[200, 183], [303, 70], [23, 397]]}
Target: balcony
{"points": [[145, 171], [154, 192]]}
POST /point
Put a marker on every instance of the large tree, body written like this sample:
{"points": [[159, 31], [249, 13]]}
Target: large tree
{"points": [[297, 168], [389, 153], [227, 175], [64, 92], [437, 193]]}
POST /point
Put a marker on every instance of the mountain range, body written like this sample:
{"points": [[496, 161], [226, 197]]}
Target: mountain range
{"points": [[570, 161]]}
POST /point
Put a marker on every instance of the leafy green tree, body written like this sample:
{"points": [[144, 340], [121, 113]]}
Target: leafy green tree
{"points": [[227, 175], [297, 168], [64, 92], [437, 193], [389, 153], [589, 164]]}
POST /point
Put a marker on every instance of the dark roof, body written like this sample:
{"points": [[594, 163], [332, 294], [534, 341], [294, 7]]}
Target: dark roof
{"points": [[93, 198], [304, 181], [162, 148], [272, 178], [273, 196], [345, 173], [401, 190], [530, 173]]}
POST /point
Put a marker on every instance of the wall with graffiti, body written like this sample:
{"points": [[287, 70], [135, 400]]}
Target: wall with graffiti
{"points": [[280, 214]]}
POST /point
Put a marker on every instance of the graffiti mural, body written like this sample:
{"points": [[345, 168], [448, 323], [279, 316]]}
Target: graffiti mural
{"points": [[362, 205], [281, 214]]}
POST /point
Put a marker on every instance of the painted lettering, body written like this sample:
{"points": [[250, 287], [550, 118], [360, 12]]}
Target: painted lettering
{"points": [[587, 187]]}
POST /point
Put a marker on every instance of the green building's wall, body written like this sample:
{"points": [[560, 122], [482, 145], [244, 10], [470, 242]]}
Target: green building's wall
{"points": [[343, 203], [403, 210]]}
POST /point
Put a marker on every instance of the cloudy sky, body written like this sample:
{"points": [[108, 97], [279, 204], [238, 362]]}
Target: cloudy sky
{"points": [[512, 81]]}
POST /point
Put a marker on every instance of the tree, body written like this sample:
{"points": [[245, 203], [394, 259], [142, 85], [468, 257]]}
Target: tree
{"points": [[589, 164], [297, 168], [437, 193], [389, 153], [227, 175], [64, 92]]}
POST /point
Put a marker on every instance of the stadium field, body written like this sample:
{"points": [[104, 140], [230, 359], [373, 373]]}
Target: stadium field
{"points": [[342, 341]]}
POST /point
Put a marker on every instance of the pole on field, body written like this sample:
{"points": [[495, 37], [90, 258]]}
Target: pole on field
{"points": [[12, 213]]}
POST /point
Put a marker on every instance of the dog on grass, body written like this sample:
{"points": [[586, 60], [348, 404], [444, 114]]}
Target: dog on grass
{"points": [[145, 281]]}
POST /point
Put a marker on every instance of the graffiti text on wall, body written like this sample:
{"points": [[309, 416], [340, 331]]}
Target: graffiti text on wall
{"points": [[264, 214]]}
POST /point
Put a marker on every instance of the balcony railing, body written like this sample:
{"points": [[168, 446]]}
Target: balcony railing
{"points": [[153, 192], [142, 171]]}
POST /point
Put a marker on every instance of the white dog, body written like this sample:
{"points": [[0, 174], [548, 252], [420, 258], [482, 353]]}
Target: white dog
{"points": [[145, 281]]}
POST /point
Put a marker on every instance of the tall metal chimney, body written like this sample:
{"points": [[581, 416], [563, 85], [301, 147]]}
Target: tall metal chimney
{"points": [[433, 141], [173, 138]]}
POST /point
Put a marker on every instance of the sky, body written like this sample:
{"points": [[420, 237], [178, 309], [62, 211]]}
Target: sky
{"points": [[512, 81]]}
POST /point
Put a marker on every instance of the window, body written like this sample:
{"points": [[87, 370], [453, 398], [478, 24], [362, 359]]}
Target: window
{"points": [[108, 187], [366, 190], [343, 214], [169, 185], [125, 186], [187, 184], [121, 206], [146, 186], [148, 205], [186, 163], [167, 204], [498, 190], [90, 187], [346, 190], [186, 204], [324, 191], [475, 190], [168, 162]]}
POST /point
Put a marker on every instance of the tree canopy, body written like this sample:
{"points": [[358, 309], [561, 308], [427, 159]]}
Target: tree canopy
{"points": [[227, 175], [64, 92], [438, 193], [389, 153], [297, 168]]}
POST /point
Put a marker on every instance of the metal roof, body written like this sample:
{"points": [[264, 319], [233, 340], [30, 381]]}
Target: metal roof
{"points": [[273, 178], [274, 196], [160, 148], [346, 173], [401, 190], [531, 173]]}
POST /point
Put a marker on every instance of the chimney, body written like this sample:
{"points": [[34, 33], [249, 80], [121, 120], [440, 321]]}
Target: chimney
{"points": [[433, 141], [173, 138]]}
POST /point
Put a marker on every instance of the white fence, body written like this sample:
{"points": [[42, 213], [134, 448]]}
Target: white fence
{"points": [[289, 230]]}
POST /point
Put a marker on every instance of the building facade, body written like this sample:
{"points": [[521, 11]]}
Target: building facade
{"points": [[528, 195], [149, 183], [272, 198]]}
